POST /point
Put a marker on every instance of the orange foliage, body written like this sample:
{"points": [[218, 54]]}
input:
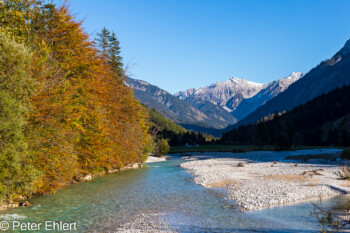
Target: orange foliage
{"points": [[85, 120]]}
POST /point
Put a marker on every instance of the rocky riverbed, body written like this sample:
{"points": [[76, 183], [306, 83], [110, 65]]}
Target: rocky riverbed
{"points": [[145, 223], [255, 185]]}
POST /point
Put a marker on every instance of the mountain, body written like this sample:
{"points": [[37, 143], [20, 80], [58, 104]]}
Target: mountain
{"points": [[328, 75], [178, 110], [176, 135], [163, 124], [226, 94], [322, 121], [272, 89], [238, 97]]}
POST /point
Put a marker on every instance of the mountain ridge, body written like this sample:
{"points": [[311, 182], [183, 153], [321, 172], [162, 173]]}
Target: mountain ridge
{"points": [[328, 75], [271, 90], [177, 110]]}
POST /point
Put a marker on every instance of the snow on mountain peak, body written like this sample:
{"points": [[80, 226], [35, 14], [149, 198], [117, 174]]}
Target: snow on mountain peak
{"points": [[185, 94], [235, 79], [220, 93], [295, 76]]}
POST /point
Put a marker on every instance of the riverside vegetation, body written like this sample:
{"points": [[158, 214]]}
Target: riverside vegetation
{"points": [[64, 109], [319, 122]]}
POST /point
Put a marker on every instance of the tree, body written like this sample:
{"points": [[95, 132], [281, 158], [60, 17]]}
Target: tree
{"points": [[80, 117], [16, 87], [162, 147], [103, 41], [115, 60], [109, 47]]}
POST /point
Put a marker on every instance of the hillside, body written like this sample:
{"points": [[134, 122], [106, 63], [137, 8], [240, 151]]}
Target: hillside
{"points": [[328, 75], [162, 123], [176, 135], [321, 121], [178, 110], [272, 89]]}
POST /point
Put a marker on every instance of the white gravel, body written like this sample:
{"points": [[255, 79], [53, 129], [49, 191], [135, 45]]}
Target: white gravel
{"points": [[153, 159], [258, 185], [145, 223]]}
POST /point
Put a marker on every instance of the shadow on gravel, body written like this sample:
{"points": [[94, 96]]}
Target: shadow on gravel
{"points": [[342, 191], [328, 157], [188, 229]]}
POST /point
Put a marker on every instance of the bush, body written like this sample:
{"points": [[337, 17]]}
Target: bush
{"points": [[162, 147], [345, 154], [149, 148]]}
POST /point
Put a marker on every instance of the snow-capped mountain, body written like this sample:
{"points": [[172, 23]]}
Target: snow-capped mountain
{"points": [[216, 106], [178, 110], [272, 89], [237, 96], [227, 94]]}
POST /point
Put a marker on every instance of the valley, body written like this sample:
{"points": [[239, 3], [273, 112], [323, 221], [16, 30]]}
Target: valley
{"points": [[174, 116]]}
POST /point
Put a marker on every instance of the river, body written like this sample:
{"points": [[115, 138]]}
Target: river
{"points": [[165, 188]]}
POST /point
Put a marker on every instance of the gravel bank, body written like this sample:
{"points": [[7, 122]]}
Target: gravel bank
{"points": [[256, 185], [146, 223], [153, 159]]}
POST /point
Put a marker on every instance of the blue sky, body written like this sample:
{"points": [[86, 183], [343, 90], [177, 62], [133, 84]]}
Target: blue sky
{"points": [[179, 44]]}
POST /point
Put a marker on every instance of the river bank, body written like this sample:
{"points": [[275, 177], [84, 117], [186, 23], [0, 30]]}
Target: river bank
{"points": [[85, 178], [159, 195], [258, 184]]}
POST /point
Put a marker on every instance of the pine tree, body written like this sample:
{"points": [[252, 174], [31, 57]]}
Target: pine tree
{"points": [[115, 60], [108, 45], [103, 41]]}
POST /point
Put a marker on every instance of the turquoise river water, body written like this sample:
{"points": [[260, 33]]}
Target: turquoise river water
{"points": [[160, 187]]}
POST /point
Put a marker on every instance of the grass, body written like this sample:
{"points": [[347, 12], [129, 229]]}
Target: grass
{"points": [[234, 148]]}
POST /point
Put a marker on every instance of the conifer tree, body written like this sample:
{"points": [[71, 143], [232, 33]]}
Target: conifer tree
{"points": [[115, 60], [103, 41], [109, 47]]}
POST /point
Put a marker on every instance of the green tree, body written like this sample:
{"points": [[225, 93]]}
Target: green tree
{"points": [[16, 171], [162, 147], [109, 47], [115, 60], [103, 41]]}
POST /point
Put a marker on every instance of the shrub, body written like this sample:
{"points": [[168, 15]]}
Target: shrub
{"points": [[162, 147], [149, 148]]}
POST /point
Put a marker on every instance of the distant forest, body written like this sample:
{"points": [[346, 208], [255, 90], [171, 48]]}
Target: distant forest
{"points": [[176, 135], [322, 121]]}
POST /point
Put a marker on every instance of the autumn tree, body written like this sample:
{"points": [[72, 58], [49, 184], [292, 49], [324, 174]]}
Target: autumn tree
{"points": [[79, 117]]}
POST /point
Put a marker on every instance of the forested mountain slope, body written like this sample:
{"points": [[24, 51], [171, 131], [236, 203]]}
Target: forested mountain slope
{"points": [[321, 121], [177, 110], [328, 75]]}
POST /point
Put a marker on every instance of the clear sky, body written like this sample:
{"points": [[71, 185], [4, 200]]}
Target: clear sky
{"points": [[179, 44]]}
